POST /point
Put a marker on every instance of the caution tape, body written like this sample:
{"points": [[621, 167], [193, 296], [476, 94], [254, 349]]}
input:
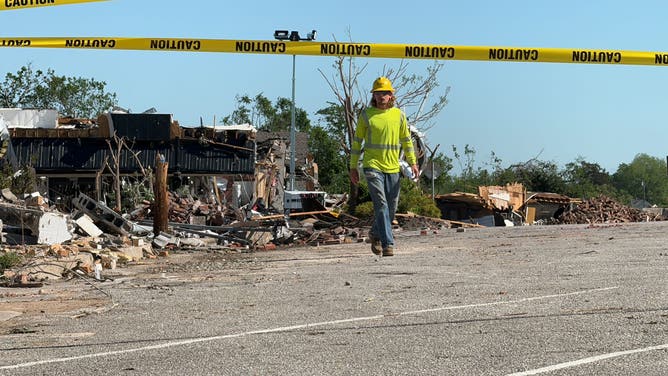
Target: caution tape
{"points": [[22, 4], [363, 50]]}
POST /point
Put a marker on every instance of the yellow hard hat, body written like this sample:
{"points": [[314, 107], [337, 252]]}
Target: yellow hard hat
{"points": [[382, 84]]}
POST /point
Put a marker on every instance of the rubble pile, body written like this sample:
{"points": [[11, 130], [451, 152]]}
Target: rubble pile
{"points": [[331, 228], [186, 209], [602, 209], [413, 222], [83, 257]]}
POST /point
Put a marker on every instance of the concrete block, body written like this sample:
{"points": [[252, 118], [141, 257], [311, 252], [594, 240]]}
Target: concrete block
{"points": [[163, 239], [132, 253], [86, 224]]}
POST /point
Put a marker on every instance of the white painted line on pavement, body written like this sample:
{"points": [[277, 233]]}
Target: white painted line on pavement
{"points": [[289, 328], [592, 359], [502, 302]]}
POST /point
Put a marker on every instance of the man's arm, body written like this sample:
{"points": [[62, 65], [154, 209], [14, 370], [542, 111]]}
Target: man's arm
{"points": [[356, 149]]}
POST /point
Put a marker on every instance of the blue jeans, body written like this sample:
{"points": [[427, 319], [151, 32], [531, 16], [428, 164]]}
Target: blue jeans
{"points": [[384, 191]]}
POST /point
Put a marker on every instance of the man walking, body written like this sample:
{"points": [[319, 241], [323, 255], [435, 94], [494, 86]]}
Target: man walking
{"points": [[383, 130]]}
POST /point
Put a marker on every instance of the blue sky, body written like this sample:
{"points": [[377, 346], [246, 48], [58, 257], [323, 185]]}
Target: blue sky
{"points": [[519, 111]]}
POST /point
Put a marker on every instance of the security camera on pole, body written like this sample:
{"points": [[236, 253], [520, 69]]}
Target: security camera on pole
{"points": [[292, 36]]}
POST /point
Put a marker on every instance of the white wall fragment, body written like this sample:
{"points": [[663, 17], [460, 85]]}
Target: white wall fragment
{"points": [[53, 229]]}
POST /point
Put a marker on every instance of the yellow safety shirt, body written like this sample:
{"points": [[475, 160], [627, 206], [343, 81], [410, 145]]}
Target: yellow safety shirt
{"points": [[384, 133]]}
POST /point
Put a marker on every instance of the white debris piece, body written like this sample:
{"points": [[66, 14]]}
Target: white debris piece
{"points": [[86, 224], [53, 229]]}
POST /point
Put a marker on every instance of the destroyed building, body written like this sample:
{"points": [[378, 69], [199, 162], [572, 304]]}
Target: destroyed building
{"points": [[216, 175], [503, 206], [70, 155], [512, 205], [273, 154], [233, 164]]}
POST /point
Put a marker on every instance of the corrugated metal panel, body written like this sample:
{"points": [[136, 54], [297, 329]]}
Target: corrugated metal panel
{"points": [[56, 154], [152, 127], [208, 158], [88, 155]]}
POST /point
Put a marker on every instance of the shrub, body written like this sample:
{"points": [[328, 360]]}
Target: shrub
{"points": [[9, 260], [412, 199], [364, 210]]}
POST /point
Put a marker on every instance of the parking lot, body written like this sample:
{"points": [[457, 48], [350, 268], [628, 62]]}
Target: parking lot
{"points": [[557, 300]]}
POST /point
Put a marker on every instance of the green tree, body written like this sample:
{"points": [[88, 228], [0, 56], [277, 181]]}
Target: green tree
{"points": [[266, 116], [242, 114], [535, 175], [332, 160], [442, 165], [20, 181], [20, 89], [70, 96], [643, 178], [587, 180], [332, 163], [283, 118], [538, 176], [270, 117], [332, 120], [471, 177]]}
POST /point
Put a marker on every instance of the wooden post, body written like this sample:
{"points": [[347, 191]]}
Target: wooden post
{"points": [[161, 214], [98, 185]]}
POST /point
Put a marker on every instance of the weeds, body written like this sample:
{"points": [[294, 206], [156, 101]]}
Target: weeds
{"points": [[9, 260]]}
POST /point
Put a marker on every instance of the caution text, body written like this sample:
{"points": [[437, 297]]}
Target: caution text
{"points": [[90, 43], [518, 54], [345, 49], [25, 3], [661, 59], [178, 45], [430, 52], [262, 47], [597, 57], [14, 42]]}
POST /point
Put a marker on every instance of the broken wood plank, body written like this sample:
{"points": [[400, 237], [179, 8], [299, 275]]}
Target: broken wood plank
{"points": [[298, 214]]}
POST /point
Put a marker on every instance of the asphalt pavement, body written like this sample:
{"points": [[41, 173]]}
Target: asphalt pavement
{"points": [[553, 300]]}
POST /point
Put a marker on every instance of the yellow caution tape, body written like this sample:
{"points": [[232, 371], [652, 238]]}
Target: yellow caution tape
{"points": [[399, 51], [22, 4]]}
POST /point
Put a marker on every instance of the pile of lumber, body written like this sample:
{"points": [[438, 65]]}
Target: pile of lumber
{"points": [[602, 209]]}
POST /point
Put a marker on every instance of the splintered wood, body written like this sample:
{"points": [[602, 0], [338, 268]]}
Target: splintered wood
{"points": [[603, 210]]}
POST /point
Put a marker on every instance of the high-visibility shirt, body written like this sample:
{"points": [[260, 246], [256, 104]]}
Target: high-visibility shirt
{"points": [[385, 134]]}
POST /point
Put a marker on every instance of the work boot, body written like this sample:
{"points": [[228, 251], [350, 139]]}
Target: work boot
{"points": [[376, 246], [389, 251]]}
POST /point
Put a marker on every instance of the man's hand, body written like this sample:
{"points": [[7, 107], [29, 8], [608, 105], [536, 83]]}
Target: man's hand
{"points": [[416, 172], [354, 176]]}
